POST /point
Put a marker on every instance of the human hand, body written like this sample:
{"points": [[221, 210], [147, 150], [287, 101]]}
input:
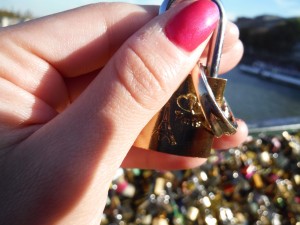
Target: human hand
{"points": [[76, 90]]}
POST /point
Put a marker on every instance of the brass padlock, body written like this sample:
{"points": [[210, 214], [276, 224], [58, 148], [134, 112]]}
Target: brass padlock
{"points": [[192, 117]]}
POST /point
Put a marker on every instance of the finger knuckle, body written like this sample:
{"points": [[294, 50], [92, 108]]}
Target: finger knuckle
{"points": [[141, 79]]}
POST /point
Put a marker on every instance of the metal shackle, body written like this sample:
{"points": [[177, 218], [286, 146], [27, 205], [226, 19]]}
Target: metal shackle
{"points": [[216, 46], [217, 112]]}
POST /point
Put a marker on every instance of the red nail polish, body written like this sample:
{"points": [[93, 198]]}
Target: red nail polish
{"points": [[192, 25]]}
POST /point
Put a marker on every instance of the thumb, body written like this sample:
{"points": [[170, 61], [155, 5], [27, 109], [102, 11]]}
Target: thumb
{"points": [[140, 78], [83, 146], [147, 70]]}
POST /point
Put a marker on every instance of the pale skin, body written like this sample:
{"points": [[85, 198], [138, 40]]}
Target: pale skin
{"points": [[76, 90]]}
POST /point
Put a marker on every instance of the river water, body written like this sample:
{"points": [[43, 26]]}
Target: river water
{"points": [[254, 99]]}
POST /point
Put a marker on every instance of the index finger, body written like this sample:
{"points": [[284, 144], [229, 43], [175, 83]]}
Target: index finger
{"points": [[81, 40]]}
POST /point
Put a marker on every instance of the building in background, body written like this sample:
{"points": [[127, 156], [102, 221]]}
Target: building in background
{"points": [[7, 21], [8, 18]]}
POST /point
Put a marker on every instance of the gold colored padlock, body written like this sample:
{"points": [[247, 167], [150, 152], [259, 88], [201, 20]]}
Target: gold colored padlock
{"points": [[190, 120]]}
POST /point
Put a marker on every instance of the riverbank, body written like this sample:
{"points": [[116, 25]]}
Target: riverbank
{"points": [[274, 126], [270, 75], [256, 100]]}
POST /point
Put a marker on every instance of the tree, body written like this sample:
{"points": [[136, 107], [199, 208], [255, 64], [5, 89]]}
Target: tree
{"points": [[11, 14], [275, 43]]}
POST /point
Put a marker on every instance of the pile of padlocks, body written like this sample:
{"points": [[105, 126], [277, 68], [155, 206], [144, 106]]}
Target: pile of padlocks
{"points": [[257, 183]]}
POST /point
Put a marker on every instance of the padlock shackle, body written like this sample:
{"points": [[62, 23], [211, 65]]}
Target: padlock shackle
{"points": [[216, 45], [167, 4]]}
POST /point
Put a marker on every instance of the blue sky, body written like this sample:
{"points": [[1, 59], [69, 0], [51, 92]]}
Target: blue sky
{"points": [[234, 8]]}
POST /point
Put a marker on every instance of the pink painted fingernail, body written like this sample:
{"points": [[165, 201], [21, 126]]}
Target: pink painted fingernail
{"points": [[192, 25]]}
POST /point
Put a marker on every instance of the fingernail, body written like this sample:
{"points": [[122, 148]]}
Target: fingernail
{"points": [[192, 25]]}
